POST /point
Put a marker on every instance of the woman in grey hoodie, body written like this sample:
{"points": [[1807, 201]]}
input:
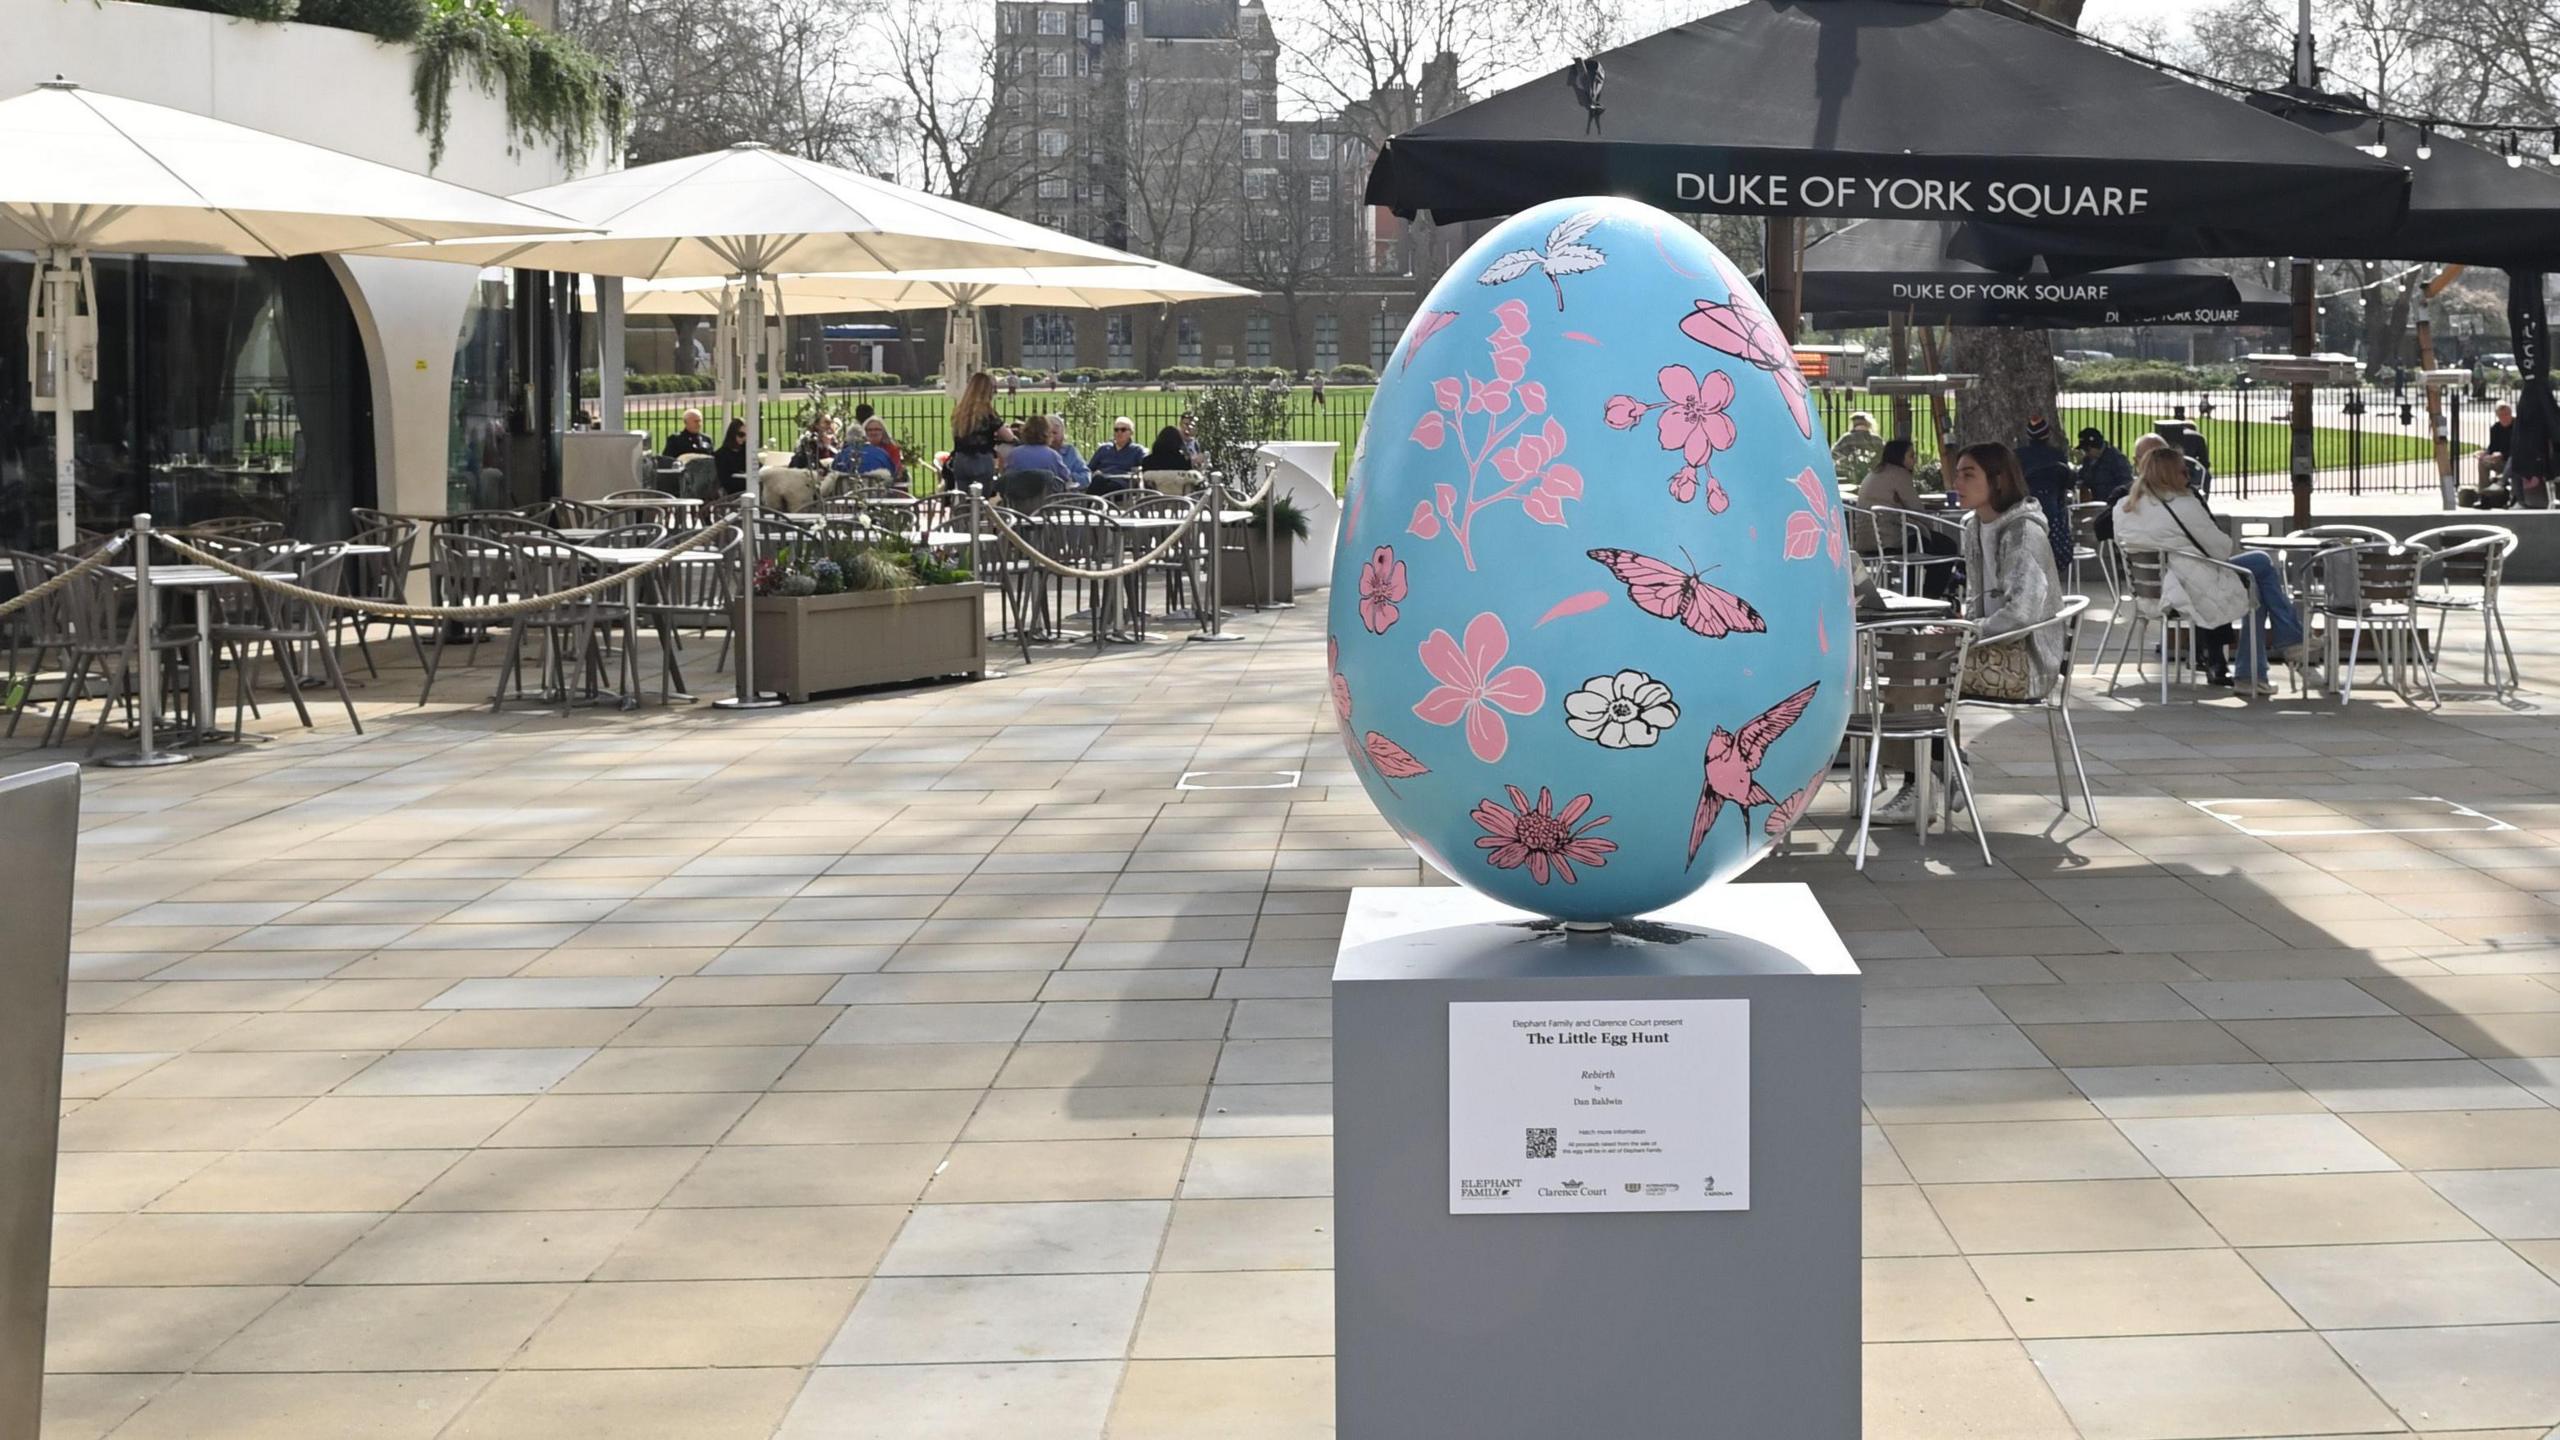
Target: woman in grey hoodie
{"points": [[2009, 584]]}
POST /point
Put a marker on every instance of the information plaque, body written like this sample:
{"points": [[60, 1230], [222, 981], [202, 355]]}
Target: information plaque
{"points": [[1605, 1107]]}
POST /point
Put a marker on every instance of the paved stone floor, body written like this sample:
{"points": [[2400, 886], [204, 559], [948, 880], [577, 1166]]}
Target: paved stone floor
{"points": [[931, 1066]]}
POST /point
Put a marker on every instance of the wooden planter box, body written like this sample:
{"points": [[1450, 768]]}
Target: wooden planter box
{"points": [[1236, 583], [807, 644]]}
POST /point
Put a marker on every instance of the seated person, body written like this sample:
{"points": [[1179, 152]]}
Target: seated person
{"points": [[2163, 513], [1078, 474], [1890, 485], [729, 462], [1123, 456], [1172, 451], [817, 445], [688, 440], [876, 455], [1032, 468]]}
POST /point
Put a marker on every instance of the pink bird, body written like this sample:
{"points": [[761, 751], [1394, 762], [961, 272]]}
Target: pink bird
{"points": [[1732, 761]]}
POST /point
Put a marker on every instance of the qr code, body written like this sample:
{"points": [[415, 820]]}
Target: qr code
{"points": [[1542, 1143]]}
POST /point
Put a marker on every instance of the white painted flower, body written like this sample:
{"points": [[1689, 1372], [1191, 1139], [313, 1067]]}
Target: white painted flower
{"points": [[1627, 710]]}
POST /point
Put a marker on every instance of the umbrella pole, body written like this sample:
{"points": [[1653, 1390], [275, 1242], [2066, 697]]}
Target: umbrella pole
{"points": [[749, 697], [64, 282], [2304, 336]]}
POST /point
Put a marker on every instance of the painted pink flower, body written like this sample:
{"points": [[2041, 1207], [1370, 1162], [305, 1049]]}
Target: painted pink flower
{"points": [[1716, 498], [1693, 421], [1474, 681], [1625, 412], [1539, 836], [1425, 524], [1341, 686], [1684, 484], [1429, 431], [1382, 587]]}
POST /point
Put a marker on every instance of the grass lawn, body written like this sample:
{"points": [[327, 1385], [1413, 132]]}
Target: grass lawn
{"points": [[919, 418]]}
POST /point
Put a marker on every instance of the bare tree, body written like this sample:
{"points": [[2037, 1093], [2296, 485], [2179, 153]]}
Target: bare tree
{"points": [[1175, 176], [947, 133], [704, 74]]}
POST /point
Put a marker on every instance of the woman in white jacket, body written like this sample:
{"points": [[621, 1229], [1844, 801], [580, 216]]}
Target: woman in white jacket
{"points": [[2161, 513]]}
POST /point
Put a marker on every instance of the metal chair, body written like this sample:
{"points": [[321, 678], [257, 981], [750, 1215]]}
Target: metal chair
{"points": [[465, 569], [2086, 547], [1914, 671], [2056, 703], [2144, 571], [98, 608], [41, 626], [385, 578], [2470, 563], [2385, 604], [1906, 535], [282, 622]]}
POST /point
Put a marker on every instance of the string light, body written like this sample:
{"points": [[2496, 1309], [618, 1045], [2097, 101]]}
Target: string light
{"points": [[2515, 156], [2555, 147], [2381, 145], [2426, 142]]}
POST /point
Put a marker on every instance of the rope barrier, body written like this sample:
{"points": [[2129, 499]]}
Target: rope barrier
{"points": [[28, 597], [505, 610], [1190, 522]]}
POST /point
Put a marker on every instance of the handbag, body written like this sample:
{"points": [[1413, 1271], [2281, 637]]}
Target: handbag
{"points": [[1999, 670]]}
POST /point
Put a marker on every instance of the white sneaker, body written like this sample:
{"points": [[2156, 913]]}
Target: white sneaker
{"points": [[1955, 800], [2263, 689], [1901, 809]]}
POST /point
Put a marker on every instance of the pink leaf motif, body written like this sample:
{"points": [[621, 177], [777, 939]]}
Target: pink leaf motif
{"points": [[1429, 431], [1513, 317], [1625, 412], [1578, 335], [1447, 495], [1446, 393], [1393, 760], [1546, 503], [1716, 498], [1533, 396], [1425, 524], [1804, 535], [1488, 397], [1571, 605]]}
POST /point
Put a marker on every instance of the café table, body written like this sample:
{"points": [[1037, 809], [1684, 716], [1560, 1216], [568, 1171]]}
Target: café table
{"points": [[200, 581], [624, 557]]}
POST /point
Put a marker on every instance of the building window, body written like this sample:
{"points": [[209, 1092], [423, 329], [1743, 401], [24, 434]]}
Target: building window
{"points": [[1319, 187], [1253, 144], [1186, 342], [1250, 69], [1253, 104], [1319, 146], [1384, 331], [1320, 229], [1053, 187], [1257, 184], [1054, 106], [1053, 22], [1257, 340], [1280, 146], [1049, 219], [1013, 142], [1119, 342], [1053, 143], [1132, 20], [1053, 64], [1048, 340], [1328, 341], [1009, 19]]}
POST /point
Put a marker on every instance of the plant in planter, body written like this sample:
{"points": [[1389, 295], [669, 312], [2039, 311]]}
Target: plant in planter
{"points": [[845, 613]]}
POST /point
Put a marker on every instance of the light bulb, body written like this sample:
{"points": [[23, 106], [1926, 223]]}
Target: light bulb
{"points": [[2426, 143], [2555, 147], [2381, 145]]}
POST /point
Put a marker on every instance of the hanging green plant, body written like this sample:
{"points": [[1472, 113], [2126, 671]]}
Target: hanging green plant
{"points": [[553, 88]]}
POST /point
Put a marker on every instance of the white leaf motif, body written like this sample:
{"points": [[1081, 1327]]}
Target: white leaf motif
{"points": [[1509, 267], [1572, 228], [1573, 259]]}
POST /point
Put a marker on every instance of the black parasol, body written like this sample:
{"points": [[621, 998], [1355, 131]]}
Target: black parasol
{"points": [[1901, 109], [1872, 269]]}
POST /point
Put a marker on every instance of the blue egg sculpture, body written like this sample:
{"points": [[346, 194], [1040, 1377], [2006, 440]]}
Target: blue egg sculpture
{"points": [[1592, 636]]}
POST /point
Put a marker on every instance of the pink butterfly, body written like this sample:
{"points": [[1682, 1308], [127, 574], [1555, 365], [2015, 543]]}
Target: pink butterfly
{"points": [[1659, 589], [1748, 333], [1809, 529]]}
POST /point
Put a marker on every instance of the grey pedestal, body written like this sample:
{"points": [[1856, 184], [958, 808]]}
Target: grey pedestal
{"points": [[39, 833], [1725, 1325]]}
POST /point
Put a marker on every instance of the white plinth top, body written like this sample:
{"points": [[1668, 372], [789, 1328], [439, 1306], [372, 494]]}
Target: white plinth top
{"points": [[1785, 917]]}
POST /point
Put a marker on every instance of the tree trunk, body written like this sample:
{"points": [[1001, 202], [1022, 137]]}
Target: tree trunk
{"points": [[2016, 381]]}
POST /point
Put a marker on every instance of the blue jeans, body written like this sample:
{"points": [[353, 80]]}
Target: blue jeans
{"points": [[2282, 627]]}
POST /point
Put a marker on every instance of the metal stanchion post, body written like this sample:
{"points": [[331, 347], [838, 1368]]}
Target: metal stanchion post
{"points": [[748, 696], [1279, 598], [1215, 630], [146, 664], [978, 527]]}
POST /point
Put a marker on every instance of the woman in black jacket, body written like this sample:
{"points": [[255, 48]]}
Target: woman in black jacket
{"points": [[729, 462], [1170, 452]]}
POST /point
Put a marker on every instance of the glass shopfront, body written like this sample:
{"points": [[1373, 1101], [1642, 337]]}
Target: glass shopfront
{"points": [[225, 387], [511, 390]]}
